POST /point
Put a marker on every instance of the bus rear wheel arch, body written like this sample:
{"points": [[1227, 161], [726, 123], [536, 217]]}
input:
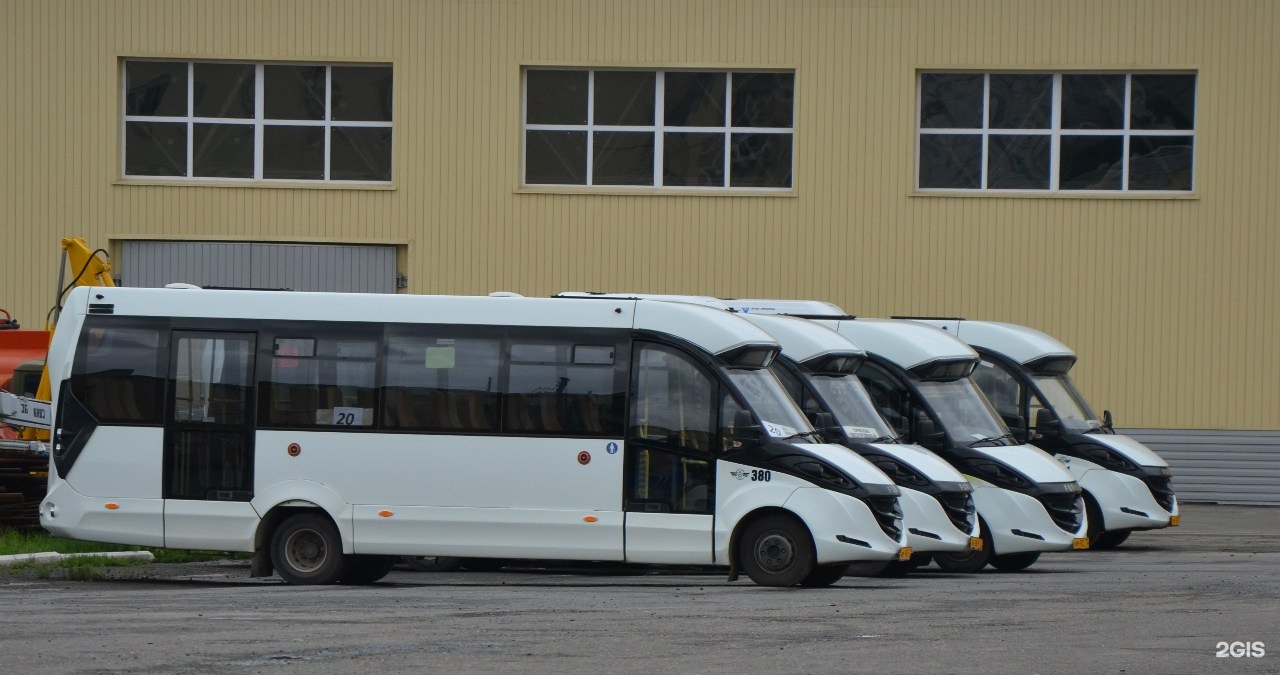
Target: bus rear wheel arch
{"points": [[776, 549], [306, 549]]}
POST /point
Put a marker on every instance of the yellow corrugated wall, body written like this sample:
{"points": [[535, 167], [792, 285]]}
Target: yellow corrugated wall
{"points": [[1171, 303]]}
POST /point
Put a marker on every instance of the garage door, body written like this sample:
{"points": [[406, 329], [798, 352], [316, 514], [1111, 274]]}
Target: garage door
{"points": [[297, 267]]}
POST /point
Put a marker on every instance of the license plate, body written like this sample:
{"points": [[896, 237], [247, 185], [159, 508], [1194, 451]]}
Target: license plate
{"points": [[975, 543], [904, 553], [1175, 521], [1080, 542]]}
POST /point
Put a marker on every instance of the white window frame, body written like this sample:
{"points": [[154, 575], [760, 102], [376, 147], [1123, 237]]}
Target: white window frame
{"points": [[259, 122], [1054, 132], [659, 129]]}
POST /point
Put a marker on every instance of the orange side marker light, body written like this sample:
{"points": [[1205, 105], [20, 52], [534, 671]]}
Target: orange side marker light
{"points": [[589, 519], [385, 513], [112, 506]]}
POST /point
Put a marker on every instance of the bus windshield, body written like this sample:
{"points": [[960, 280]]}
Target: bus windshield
{"points": [[1064, 399], [964, 413], [849, 401], [765, 396]]}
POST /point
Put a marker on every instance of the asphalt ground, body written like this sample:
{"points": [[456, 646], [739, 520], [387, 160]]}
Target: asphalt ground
{"points": [[1161, 603]]}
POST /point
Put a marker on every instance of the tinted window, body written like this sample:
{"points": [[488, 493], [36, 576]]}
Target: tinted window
{"points": [[564, 387], [119, 369], [319, 375], [442, 380]]}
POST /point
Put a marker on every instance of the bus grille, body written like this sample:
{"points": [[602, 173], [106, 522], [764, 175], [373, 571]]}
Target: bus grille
{"points": [[1161, 490], [888, 514], [1066, 510], [960, 509]]}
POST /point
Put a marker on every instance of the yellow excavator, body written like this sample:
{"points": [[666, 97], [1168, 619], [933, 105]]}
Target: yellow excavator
{"points": [[25, 418], [91, 268]]}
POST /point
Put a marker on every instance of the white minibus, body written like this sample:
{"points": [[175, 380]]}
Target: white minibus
{"points": [[818, 368], [919, 377], [328, 434], [1024, 373]]}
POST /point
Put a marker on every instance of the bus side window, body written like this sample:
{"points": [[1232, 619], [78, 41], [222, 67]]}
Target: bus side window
{"points": [[1002, 389], [441, 380], [889, 395], [564, 387], [119, 370], [323, 379]]}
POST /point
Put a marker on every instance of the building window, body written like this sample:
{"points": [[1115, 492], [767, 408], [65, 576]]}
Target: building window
{"points": [[1056, 132], [670, 129], [257, 121]]}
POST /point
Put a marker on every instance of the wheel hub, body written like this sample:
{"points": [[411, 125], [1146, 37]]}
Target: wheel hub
{"points": [[775, 551]]}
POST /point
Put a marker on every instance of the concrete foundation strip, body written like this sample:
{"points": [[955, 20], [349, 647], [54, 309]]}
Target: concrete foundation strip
{"points": [[54, 558]]}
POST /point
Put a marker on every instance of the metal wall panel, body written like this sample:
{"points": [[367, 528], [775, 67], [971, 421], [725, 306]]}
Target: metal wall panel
{"points": [[1170, 302], [1219, 466], [152, 264], [298, 267]]}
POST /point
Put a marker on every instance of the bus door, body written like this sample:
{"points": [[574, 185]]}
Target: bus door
{"points": [[669, 494], [208, 441]]}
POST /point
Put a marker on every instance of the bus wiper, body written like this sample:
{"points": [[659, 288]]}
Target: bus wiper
{"points": [[886, 439], [814, 436], [992, 439]]}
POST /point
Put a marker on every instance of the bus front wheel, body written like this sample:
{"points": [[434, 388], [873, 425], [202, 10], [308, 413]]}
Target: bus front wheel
{"points": [[306, 550], [776, 550]]}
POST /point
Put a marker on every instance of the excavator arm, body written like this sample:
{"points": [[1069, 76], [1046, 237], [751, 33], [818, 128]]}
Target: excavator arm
{"points": [[91, 268]]}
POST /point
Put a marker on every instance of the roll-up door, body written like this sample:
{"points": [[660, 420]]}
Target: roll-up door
{"points": [[298, 267], [1228, 466]]}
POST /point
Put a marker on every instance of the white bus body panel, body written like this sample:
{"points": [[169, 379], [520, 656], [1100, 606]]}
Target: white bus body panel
{"points": [[741, 490], [1005, 511], [671, 539], [1032, 462], [923, 513], [504, 497], [904, 343], [120, 465], [1115, 492], [67, 513], [1020, 343], [213, 525], [802, 339]]}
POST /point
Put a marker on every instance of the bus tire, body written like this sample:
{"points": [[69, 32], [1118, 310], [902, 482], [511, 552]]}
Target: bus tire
{"points": [[1014, 562], [776, 550], [432, 563], [901, 568], [306, 550], [1111, 539], [824, 575], [969, 562], [367, 569]]}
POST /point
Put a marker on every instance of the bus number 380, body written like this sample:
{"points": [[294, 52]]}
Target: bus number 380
{"points": [[761, 475]]}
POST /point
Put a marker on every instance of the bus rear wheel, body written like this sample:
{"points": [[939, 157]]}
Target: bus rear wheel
{"points": [[1014, 562], [367, 569], [776, 550], [824, 575], [968, 562], [306, 550]]}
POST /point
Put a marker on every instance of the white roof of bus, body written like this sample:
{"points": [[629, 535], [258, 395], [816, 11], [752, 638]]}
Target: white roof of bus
{"points": [[905, 343], [1020, 343], [802, 339], [801, 307], [712, 329]]}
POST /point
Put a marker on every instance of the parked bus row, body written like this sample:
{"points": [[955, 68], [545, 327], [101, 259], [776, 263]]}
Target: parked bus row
{"points": [[330, 434]]}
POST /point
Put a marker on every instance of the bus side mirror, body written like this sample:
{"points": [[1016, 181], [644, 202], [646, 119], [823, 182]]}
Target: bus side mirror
{"points": [[745, 429], [926, 433], [825, 423], [1017, 426], [1047, 423], [1106, 420]]}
